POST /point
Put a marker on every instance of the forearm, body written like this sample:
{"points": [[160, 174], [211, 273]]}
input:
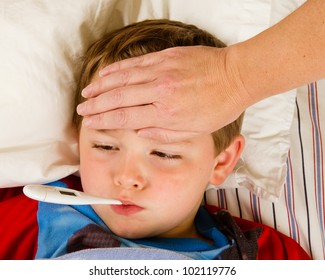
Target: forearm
{"points": [[287, 55]]}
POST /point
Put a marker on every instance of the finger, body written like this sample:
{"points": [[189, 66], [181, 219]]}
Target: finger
{"points": [[143, 60], [123, 118], [119, 79], [118, 98], [166, 135]]}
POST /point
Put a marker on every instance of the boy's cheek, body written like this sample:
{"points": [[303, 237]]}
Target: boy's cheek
{"points": [[91, 177]]}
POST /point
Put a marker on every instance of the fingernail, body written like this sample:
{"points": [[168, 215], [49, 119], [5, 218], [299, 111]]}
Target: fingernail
{"points": [[86, 91], [103, 72], [80, 109], [86, 122]]}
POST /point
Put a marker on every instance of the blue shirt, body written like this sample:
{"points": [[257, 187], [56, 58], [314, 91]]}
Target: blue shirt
{"points": [[57, 223]]}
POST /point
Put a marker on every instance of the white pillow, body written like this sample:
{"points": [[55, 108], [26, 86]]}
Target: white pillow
{"points": [[40, 44]]}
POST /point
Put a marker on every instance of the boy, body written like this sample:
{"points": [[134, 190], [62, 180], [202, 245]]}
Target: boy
{"points": [[160, 185]]}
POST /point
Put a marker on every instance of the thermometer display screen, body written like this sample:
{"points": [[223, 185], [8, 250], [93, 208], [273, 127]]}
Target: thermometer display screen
{"points": [[67, 193]]}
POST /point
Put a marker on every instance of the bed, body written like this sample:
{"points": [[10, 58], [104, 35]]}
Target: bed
{"points": [[279, 179]]}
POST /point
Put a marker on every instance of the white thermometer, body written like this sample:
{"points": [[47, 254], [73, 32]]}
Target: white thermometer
{"points": [[64, 196]]}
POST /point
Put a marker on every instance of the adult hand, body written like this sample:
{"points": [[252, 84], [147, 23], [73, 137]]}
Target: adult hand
{"points": [[186, 91], [170, 95]]}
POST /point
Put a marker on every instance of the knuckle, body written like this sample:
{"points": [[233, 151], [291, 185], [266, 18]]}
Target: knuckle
{"points": [[167, 113], [98, 121], [167, 101], [101, 119], [121, 117], [172, 53], [167, 84], [139, 60], [117, 97], [124, 78], [97, 86]]}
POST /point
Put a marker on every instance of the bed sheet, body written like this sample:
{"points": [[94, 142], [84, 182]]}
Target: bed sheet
{"points": [[299, 212]]}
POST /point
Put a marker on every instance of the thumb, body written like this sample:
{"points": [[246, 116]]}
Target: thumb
{"points": [[165, 135]]}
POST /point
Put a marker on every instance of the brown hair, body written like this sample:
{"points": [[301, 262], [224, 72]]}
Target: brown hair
{"points": [[145, 37]]}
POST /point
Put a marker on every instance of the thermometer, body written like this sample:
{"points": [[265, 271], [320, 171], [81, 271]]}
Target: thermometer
{"points": [[64, 196]]}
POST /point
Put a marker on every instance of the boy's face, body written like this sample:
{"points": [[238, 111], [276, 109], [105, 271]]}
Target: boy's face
{"points": [[161, 185]]}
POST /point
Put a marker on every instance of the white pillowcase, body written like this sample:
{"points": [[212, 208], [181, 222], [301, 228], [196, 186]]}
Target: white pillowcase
{"points": [[41, 42]]}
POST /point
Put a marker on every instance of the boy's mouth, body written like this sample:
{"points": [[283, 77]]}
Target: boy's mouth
{"points": [[127, 208], [126, 202]]}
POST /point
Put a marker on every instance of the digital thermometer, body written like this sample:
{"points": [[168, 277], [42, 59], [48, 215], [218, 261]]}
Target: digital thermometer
{"points": [[64, 196]]}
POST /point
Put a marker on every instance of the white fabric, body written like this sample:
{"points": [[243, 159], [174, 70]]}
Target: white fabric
{"points": [[299, 212], [40, 44]]}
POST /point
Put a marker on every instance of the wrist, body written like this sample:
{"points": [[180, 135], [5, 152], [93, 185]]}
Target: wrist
{"points": [[235, 71]]}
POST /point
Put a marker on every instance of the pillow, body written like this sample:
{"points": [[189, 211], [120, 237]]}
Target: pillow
{"points": [[39, 51], [40, 44]]}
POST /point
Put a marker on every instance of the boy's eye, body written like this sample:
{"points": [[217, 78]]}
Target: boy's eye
{"points": [[104, 147], [165, 155]]}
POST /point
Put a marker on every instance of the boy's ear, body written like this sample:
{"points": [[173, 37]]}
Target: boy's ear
{"points": [[226, 161]]}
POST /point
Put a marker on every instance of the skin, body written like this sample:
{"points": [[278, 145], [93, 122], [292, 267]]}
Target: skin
{"points": [[161, 185], [178, 90]]}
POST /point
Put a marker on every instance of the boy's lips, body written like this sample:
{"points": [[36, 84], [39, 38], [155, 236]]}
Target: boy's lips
{"points": [[126, 208]]}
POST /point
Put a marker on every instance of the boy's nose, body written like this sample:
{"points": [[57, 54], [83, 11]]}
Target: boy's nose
{"points": [[129, 175]]}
